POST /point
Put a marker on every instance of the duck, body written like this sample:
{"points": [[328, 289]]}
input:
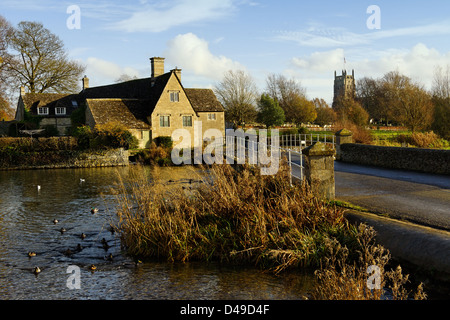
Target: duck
{"points": [[83, 236], [82, 180], [105, 244], [68, 252], [94, 210], [36, 270], [79, 247], [55, 221], [62, 230], [32, 254], [109, 257], [92, 267]]}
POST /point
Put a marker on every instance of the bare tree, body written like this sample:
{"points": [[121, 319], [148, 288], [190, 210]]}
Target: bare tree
{"points": [[40, 61], [441, 101], [238, 94], [415, 107], [125, 77], [441, 82]]}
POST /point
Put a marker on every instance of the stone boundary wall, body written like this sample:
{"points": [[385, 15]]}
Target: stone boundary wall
{"points": [[416, 159], [72, 159]]}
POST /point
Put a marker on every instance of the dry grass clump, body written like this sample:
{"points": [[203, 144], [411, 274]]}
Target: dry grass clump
{"points": [[233, 215], [238, 215], [339, 278], [359, 133], [423, 140]]}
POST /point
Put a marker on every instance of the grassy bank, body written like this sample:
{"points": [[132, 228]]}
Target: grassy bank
{"points": [[239, 216]]}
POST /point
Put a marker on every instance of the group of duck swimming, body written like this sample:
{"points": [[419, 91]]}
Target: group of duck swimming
{"points": [[69, 252]]}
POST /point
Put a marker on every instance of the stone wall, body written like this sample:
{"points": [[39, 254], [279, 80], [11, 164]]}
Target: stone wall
{"points": [[416, 159], [66, 159]]}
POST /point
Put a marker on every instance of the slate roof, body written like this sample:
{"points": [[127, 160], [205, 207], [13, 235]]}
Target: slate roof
{"points": [[129, 112], [204, 100], [51, 100], [129, 102]]}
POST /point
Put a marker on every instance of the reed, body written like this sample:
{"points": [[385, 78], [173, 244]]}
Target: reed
{"points": [[239, 216], [233, 215]]}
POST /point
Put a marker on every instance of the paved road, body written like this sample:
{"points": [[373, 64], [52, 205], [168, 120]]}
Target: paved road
{"points": [[412, 196]]}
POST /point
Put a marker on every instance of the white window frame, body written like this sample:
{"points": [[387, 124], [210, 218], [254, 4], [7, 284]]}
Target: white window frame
{"points": [[42, 111], [63, 109], [212, 117]]}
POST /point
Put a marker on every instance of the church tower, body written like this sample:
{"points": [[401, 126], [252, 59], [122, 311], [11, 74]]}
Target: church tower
{"points": [[344, 85]]}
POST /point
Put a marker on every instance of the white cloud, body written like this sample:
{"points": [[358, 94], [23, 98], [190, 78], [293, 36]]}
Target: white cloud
{"points": [[167, 14], [321, 37], [102, 72], [193, 55], [316, 71]]}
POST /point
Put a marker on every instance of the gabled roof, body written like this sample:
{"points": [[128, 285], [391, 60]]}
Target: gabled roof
{"points": [[51, 100], [129, 112], [147, 89], [204, 100]]}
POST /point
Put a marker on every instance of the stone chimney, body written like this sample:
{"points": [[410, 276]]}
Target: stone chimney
{"points": [[85, 82], [157, 66], [177, 72]]}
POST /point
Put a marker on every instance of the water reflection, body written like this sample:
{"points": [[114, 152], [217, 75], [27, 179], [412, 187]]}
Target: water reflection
{"points": [[26, 224]]}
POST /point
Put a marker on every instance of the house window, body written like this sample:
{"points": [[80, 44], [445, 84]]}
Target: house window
{"points": [[60, 111], [74, 103], [187, 121], [174, 96], [164, 121], [211, 116], [42, 110]]}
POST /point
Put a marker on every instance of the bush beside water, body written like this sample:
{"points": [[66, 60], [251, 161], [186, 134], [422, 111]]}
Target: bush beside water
{"points": [[240, 216]]}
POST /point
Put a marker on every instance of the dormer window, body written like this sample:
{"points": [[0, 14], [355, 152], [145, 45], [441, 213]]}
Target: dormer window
{"points": [[60, 111], [174, 96], [42, 111], [74, 103]]}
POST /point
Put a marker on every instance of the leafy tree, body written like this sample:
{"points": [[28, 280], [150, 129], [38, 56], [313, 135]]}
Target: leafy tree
{"points": [[351, 110], [40, 61], [300, 110], [325, 114], [238, 94], [6, 112], [270, 113]]}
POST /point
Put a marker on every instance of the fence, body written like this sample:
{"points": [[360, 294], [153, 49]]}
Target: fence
{"points": [[303, 140]]}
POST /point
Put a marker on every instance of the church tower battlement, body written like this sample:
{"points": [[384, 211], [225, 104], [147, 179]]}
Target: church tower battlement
{"points": [[344, 85]]}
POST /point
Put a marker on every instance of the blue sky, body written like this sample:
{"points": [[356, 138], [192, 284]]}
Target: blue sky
{"points": [[306, 40]]}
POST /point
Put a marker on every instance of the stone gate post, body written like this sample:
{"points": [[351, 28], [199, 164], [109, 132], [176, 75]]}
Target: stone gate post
{"points": [[342, 136], [319, 169]]}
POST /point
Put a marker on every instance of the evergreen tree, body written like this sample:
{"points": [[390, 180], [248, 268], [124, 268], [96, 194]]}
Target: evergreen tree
{"points": [[270, 113]]}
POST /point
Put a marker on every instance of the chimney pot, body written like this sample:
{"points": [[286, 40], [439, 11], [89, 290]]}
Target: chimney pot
{"points": [[85, 82], [157, 66]]}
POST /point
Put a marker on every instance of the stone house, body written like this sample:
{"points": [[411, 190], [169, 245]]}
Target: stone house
{"points": [[54, 108], [148, 107]]}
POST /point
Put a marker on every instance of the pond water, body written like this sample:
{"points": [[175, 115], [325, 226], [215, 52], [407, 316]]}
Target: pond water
{"points": [[30, 200]]}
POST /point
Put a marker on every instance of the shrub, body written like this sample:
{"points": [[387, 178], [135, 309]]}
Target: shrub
{"points": [[163, 141], [154, 155], [423, 140], [50, 131], [84, 135], [114, 135], [360, 134]]}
